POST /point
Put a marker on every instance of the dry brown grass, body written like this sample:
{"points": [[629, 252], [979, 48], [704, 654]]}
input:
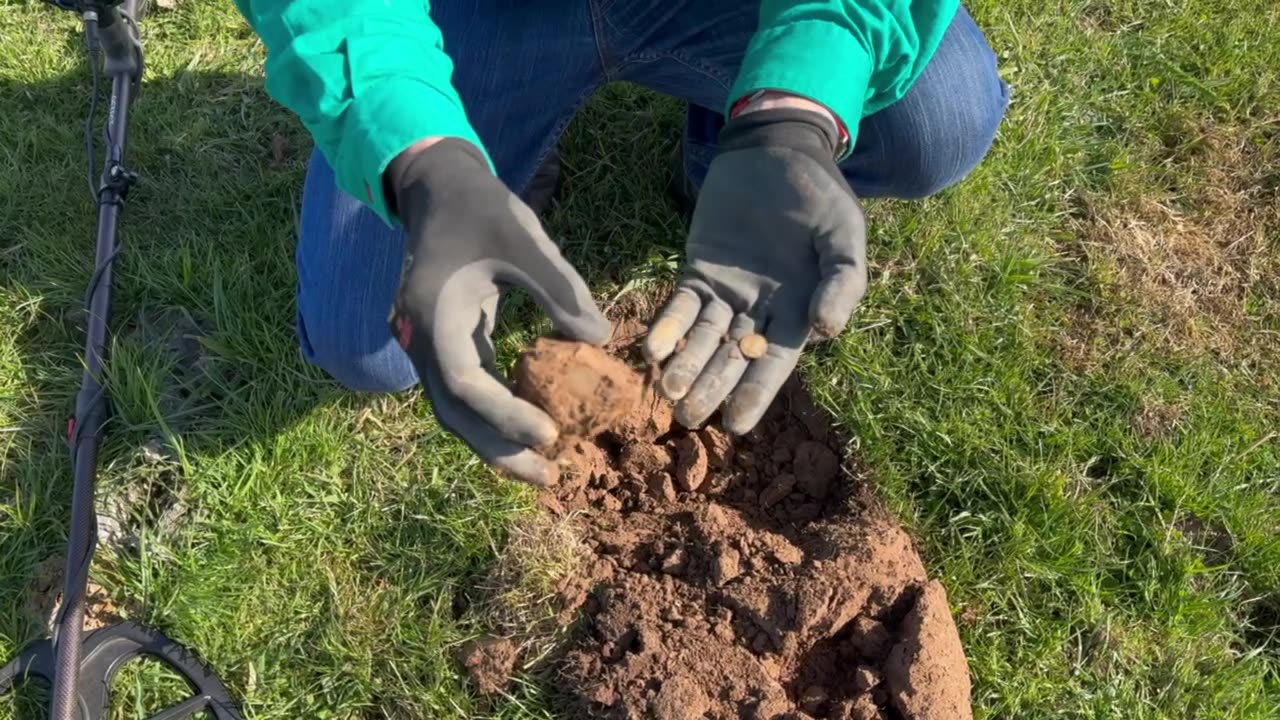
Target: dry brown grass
{"points": [[1176, 271], [526, 593], [1156, 419]]}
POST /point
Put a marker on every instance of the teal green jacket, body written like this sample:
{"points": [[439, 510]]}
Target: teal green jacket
{"points": [[373, 77]]}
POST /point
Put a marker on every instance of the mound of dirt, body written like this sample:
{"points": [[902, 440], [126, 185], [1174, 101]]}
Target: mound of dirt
{"points": [[740, 577]]}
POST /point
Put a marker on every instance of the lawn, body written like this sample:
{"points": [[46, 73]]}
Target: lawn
{"points": [[1063, 379]]}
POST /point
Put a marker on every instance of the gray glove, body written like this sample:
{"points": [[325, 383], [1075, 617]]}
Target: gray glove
{"points": [[467, 237], [777, 246]]}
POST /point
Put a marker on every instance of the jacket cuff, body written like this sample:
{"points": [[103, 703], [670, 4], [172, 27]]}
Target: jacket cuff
{"points": [[384, 121], [784, 58]]}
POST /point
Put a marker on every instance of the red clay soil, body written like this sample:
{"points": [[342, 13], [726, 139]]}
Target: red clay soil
{"points": [[735, 578]]}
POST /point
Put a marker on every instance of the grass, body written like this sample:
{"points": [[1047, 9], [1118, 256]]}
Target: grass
{"points": [[1062, 379]]}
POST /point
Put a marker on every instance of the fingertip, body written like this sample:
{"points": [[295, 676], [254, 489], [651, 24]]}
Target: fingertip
{"points": [[529, 468], [834, 301], [692, 414], [593, 328], [744, 409], [661, 339], [674, 386], [545, 435]]}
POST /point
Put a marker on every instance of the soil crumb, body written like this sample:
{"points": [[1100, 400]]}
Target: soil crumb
{"points": [[489, 662], [746, 577]]}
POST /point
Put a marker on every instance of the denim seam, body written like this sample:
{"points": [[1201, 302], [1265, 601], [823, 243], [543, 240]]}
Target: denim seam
{"points": [[597, 19], [708, 71]]}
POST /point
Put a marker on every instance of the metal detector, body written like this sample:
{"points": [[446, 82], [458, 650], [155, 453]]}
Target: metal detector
{"points": [[79, 667]]}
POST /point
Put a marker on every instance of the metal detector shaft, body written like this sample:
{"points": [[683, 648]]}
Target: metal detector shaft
{"points": [[122, 64]]}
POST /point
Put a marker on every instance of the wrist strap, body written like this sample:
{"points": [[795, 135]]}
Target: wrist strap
{"points": [[844, 143]]}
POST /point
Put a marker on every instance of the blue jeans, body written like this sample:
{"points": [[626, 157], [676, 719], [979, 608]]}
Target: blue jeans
{"points": [[523, 70]]}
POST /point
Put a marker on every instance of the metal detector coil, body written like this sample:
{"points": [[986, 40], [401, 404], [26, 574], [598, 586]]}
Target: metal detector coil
{"points": [[80, 667]]}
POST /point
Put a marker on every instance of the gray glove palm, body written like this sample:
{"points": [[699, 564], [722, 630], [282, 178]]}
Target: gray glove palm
{"points": [[467, 237], [777, 246]]}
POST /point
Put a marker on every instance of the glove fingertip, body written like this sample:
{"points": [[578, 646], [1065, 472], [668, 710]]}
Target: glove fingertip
{"points": [[591, 328], [529, 468], [833, 305]]}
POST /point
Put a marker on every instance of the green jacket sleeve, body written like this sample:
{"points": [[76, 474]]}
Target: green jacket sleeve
{"points": [[855, 57], [367, 78]]}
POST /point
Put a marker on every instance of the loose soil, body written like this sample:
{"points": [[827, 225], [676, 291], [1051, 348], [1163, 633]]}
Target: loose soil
{"points": [[745, 577], [44, 598]]}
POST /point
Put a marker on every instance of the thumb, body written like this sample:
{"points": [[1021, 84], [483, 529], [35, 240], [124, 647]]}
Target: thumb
{"points": [[562, 293], [534, 263]]}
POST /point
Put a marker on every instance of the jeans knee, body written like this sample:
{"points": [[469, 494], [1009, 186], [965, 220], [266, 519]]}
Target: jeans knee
{"points": [[372, 366], [935, 162]]}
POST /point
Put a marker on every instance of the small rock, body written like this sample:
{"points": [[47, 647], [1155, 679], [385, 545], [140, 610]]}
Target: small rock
{"points": [[611, 502], [865, 678], [719, 447], [725, 566], [777, 490], [815, 467]]}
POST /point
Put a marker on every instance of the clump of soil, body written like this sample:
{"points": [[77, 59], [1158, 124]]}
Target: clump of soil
{"points": [[489, 662], [44, 598], [741, 577], [583, 388]]}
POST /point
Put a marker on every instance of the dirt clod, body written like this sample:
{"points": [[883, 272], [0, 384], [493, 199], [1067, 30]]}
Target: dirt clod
{"points": [[870, 638], [662, 487], [642, 460], [719, 447], [815, 467], [778, 489], [927, 674], [489, 662], [865, 678], [748, 577], [583, 388], [691, 465], [680, 699], [725, 566]]}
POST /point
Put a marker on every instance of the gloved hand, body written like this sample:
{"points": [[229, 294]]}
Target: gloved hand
{"points": [[777, 246], [467, 237]]}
